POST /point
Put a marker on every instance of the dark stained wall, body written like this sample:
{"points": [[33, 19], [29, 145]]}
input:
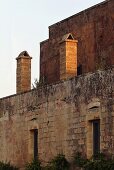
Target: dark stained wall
{"points": [[94, 30]]}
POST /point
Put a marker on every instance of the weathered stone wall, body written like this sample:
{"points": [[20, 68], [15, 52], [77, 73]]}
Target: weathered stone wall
{"points": [[94, 30], [61, 113]]}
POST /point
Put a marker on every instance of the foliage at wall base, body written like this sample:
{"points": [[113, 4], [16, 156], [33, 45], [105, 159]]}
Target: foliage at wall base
{"points": [[97, 162], [7, 166], [34, 165]]}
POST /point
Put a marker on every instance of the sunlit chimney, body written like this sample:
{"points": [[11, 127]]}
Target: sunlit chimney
{"points": [[68, 57], [23, 72]]}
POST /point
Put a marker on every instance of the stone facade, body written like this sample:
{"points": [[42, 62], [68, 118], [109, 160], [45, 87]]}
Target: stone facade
{"points": [[64, 112]]}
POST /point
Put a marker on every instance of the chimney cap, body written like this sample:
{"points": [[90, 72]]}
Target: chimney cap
{"points": [[68, 37], [24, 54]]}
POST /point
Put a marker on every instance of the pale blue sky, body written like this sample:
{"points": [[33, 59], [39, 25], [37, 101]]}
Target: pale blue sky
{"points": [[23, 25]]}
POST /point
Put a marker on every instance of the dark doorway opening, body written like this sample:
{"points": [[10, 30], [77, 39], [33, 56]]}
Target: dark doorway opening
{"points": [[96, 137], [35, 133]]}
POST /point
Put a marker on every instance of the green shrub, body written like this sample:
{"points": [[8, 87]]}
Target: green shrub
{"points": [[7, 166], [79, 160], [48, 167], [97, 162], [58, 163], [34, 165], [100, 162]]}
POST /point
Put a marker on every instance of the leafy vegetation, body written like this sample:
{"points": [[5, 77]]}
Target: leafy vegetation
{"points": [[7, 166], [97, 162], [34, 165], [39, 83], [79, 160], [36, 84], [59, 162]]}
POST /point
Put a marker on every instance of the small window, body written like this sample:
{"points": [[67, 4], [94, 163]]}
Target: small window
{"points": [[96, 137], [79, 70], [34, 143]]}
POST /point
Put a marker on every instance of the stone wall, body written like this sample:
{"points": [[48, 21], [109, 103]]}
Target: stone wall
{"points": [[62, 113], [94, 30]]}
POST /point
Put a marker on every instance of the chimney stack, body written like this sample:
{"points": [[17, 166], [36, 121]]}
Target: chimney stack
{"points": [[68, 57], [23, 72]]}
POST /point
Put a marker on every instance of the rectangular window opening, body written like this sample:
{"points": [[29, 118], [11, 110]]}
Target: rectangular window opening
{"points": [[96, 137], [79, 70], [35, 147]]}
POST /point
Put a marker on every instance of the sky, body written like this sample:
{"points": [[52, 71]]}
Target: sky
{"points": [[23, 25]]}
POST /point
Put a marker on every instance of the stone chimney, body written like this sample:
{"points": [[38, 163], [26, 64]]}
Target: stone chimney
{"points": [[68, 57], [23, 72]]}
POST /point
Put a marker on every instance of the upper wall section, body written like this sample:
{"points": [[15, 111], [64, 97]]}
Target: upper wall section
{"points": [[93, 29], [79, 90]]}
